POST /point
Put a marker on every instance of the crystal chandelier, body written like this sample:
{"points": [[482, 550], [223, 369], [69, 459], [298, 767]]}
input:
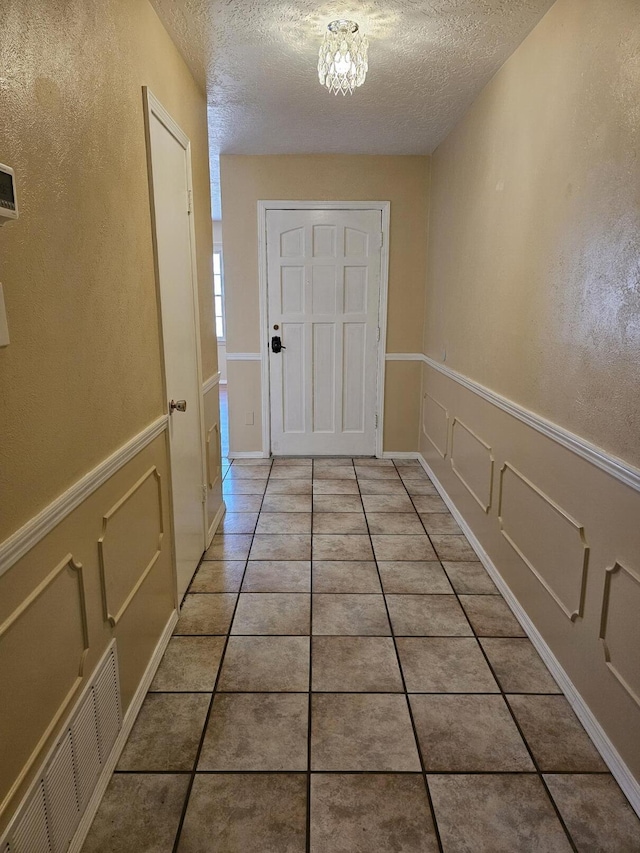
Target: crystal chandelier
{"points": [[342, 62]]}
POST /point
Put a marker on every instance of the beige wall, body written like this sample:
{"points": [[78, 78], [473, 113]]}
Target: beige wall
{"points": [[533, 285], [82, 374], [533, 292], [404, 181]]}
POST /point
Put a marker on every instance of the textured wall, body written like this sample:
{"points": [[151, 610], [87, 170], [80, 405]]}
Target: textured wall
{"points": [[534, 279], [404, 181], [82, 373]]}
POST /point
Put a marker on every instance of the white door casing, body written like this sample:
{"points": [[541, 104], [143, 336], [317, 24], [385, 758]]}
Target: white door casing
{"points": [[323, 292], [170, 176]]}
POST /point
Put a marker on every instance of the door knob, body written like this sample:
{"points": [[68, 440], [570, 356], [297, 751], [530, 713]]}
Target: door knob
{"points": [[276, 344], [180, 406]]}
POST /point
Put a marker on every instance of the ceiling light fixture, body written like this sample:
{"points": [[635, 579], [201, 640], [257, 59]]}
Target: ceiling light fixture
{"points": [[342, 62]]}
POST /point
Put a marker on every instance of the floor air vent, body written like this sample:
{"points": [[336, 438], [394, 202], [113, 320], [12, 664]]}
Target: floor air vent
{"points": [[52, 810]]}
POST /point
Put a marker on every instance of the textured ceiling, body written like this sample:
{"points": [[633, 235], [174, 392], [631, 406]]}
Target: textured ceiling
{"points": [[428, 60]]}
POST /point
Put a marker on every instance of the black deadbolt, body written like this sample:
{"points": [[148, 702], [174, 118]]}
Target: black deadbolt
{"points": [[276, 344]]}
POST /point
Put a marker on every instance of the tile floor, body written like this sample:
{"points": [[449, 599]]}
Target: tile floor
{"points": [[345, 678]]}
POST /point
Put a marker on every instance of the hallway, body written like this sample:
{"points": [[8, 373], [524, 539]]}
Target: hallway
{"points": [[404, 666]]}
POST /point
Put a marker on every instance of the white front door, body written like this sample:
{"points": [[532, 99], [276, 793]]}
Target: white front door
{"points": [[323, 288], [170, 167]]}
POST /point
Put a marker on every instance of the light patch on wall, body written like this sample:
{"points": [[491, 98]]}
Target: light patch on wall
{"points": [[132, 532], [472, 463], [620, 609], [547, 539]]}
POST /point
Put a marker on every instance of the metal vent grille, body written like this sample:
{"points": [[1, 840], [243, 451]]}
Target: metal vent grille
{"points": [[51, 812]]}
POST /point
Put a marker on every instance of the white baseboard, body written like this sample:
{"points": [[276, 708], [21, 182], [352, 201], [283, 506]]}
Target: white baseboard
{"points": [[247, 454], [216, 523], [402, 454], [612, 758], [127, 724]]}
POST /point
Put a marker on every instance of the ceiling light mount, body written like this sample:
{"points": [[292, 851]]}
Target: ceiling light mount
{"points": [[342, 61]]}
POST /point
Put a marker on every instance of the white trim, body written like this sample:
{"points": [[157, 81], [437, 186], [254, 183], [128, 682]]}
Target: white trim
{"points": [[385, 210], [247, 454], [20, 542], [127, 724], [216, 522], [618, 468], [401, 454], [243, 356], [612, 758], [223, 382], [211, 382]]}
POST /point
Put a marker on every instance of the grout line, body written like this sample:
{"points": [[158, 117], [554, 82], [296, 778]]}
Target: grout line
{"points": [[309, 712], [208, 715], [528, 773]]}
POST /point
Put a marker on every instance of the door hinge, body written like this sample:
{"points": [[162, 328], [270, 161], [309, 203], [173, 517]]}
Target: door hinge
{"points": [[189, 202], [204, 493], [378, 338]]}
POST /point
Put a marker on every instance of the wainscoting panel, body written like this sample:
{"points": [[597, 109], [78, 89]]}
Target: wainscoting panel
{"points": [[130, 544], [551, 543], [472, 463], [435, 424], [620, 624]]}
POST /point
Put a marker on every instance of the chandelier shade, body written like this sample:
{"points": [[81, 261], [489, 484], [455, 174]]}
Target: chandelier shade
{"points": [[342, 61]]}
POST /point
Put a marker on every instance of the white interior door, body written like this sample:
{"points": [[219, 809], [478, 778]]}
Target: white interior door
{"points": [[323, 287], [171, 180]]}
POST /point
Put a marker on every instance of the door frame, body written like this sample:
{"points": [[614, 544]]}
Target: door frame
{"points": [[263, 207], [153, 107]]}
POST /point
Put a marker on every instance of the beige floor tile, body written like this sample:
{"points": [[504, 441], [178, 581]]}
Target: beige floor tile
{"points": [[296, 461], [218, 576], [279, 664], [496, 814], [277, 576], [284, 522], [414, 473], [387, 503], [139, 811], [417, 488], [243, 487], [518, 667], [189, 664], [362, 731], [340, 522], [358, 615], [256, 731], [444, 665], [272, 613], [468, 734], [373, 472], [470, 578], [335, 472], [440, 523], [166, 733], [288, 487], [355, 664], [274, 546], [383, 487], [335, 487], [231, 546], [206, 613], [370, 813], [251, 463], [248, 472], [286, 503], [554, 734], [490, 616], [395, 522], [238, 522], [246, 813], [376, 463], [337, 503], [243, 503], [341, 547], [453, 548], [291, 472], [418, 577], [596, 813], [345, 576], [427, 615], [427, 503], [406, 548]]}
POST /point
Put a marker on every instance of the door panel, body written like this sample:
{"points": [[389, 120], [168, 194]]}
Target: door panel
{"points": [[323, 290], [170, 165]]}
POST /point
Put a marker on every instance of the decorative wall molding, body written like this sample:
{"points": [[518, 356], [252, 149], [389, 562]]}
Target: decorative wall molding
{"points": [[211, 383], [210, 443], [611, 573], [485, 505], [244, 356], [114, 611], [572, 612], [20, 542], [216, 523], [404, 356], [441, 451], [66, 563], [622, 774]]}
